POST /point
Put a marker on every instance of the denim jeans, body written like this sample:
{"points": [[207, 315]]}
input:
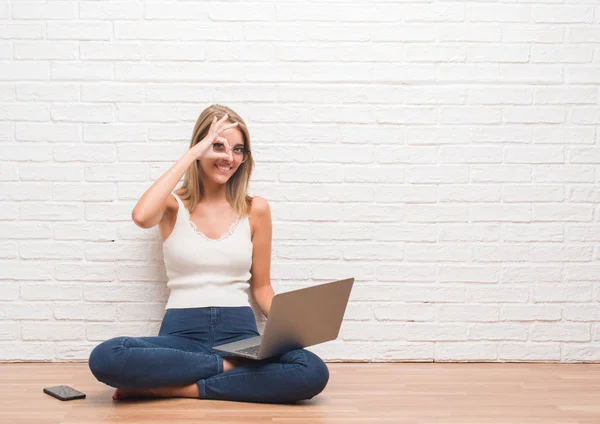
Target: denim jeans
{"points": [[183, 354]]}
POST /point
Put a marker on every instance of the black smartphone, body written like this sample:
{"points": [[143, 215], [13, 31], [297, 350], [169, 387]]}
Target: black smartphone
{"points": [[64, 392]]}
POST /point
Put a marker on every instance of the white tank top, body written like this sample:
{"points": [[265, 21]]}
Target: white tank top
{"points": [[205, 272]]}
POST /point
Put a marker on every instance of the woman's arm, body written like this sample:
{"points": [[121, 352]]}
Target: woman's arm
{"points": [[261, 255], [150, 208]]}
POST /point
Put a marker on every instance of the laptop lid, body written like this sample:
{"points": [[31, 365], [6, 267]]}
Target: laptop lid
{"points": [[305, 317]]}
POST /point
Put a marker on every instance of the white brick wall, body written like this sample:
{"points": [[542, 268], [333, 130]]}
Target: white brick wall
{"points": [[445, 154]]}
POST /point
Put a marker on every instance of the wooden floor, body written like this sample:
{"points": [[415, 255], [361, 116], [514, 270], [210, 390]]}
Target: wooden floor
{"points": [[399, 393]]}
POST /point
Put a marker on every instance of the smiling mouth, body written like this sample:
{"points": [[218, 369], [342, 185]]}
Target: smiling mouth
{"points": [[224, 169]]}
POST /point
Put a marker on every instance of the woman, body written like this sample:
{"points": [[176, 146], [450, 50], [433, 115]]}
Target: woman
{"points": [[217, 253]]}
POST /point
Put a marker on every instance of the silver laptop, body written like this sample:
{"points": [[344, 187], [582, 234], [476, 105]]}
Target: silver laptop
{"points": [[297, 319]]}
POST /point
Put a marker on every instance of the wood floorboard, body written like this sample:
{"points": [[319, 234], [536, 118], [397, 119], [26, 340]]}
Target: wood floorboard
{"points": [[357, 393]]}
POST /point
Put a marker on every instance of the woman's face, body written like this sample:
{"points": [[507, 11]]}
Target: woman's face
{"points": [[221, 165]]}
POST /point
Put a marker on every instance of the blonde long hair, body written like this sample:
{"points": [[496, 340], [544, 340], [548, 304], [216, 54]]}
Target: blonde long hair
{"points": [[192, 189]]}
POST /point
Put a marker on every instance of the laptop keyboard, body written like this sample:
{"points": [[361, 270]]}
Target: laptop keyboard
{"points": [[252, 350]]}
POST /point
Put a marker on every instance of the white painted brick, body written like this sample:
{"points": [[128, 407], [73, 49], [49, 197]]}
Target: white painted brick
{"points": [[498, 331], [434, 95], [93, 50], [405, 312], [560, 332], [404, 352], [87, 153], [33, 91], [435, 332], [111, 92], [406, 115], [436, 174], [408, 232], [405, 273], [530, 273], [501, 253], [110, 133], [101, 331], [585, 115], [565, 134], [464, 154], [50, 290], [25, 191], [413, 293], [84, 311], [9, 250], [589, 312], [448, 273], [44, 10], [588, 272], [79, 30], [562, 293], [533, 115], [509, 213], [355, 330], [39, 172], [113, 10], [574, 232], [465, 352], [9, 330], [583, 155], [468, 193], [40, 50], [350, 174], [171, 10], [83, 191], [469, 32], [583, 34], [563, 173], [530, 33], [562, 212], [530, 313], [26, 311], [496, 294], [433, 135], [73, 351], [501, 173], [562, 14], [498, 13], [468, 232], [49, 250], [544, 53], [523, 352], [579, 352], [497, 96], [561, 95], [464, 313], [194, 51], [46, 331], [533, 193], [562, 253], [113, 211], [446, 252], [19, 351], [82, 113], [534, 155], [436, 213]]}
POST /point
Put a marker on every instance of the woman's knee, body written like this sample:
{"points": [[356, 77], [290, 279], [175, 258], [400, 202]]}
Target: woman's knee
{"points": [[104, 358], [318, 373]]}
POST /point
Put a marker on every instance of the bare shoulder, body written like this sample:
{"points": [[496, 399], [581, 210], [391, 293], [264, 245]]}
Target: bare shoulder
{"points": [[260, 206], [260, 213]]}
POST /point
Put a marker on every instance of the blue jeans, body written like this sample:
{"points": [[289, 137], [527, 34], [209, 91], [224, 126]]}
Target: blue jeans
{"points": [[183, 354]]}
